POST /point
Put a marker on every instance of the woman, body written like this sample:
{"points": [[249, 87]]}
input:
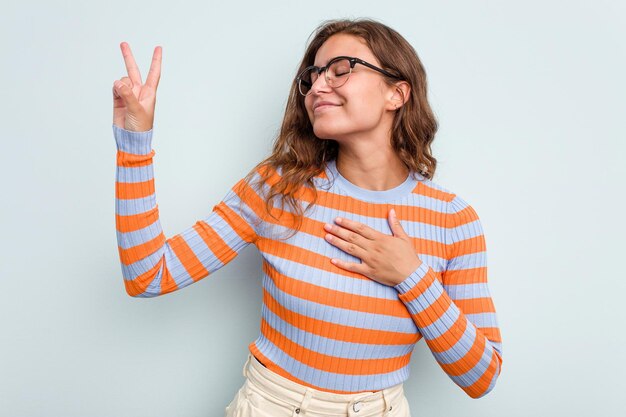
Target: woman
{"points": [[380, 257]]}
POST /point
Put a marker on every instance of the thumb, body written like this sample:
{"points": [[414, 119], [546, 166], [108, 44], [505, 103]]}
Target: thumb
{"points": [[394, 224], [123, 91]]}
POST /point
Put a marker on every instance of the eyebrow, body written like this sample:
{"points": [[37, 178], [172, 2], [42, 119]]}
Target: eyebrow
{"points": [[330, 59], [320, 66]]}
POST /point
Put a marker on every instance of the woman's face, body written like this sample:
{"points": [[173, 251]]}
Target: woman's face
{"points": [[360, 104]]}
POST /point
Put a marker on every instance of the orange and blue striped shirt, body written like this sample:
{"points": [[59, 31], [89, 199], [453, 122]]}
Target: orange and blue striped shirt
{"points": [[323, 326]]}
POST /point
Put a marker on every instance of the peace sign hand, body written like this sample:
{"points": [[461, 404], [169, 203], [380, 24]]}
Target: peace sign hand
{"points": [[386, 259], [134, 103]]}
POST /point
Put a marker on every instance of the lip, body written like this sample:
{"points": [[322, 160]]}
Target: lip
{"points": [[323, 104]]}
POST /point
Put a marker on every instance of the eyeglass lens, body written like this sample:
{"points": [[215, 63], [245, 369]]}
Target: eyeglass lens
{"points": [[336, 75]]}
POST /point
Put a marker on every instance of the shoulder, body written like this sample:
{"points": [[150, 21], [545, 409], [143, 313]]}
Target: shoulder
{"points": [[457, 208]]}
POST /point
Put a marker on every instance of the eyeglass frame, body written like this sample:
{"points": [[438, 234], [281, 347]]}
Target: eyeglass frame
{"points": [[353, 61]]}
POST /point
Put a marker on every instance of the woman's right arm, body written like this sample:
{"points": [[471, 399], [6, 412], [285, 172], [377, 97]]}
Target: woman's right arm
{"points": [[151, 264]]}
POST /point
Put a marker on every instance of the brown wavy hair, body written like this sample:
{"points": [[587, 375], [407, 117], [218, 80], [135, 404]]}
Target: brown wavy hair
{"points": [[302, 156]]}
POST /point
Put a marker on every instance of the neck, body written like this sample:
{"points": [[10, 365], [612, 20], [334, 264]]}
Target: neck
{"points": [[372, 169]]}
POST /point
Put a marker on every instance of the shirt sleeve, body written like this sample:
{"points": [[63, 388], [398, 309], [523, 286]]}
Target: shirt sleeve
{"points": [[152, 264], [456, 316]]}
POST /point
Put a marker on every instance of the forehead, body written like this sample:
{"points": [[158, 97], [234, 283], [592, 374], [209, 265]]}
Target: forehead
{"points": [[343, 44]]}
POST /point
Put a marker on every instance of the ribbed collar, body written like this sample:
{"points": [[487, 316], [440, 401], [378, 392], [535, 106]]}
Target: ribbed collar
{"points": [[353, 190]]}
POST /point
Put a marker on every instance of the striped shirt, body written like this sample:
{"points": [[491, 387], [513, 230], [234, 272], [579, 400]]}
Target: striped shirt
{"points": [[323, 326]]}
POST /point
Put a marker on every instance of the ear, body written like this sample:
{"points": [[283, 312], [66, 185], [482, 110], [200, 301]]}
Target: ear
{"points": [[398, 95]]}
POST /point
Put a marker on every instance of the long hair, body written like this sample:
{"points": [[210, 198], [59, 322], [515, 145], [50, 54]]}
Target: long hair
{"points": [[302, 156]]}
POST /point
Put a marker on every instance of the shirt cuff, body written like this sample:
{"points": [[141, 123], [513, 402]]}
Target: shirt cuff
{"points": [[413, 279], [137, 143]]}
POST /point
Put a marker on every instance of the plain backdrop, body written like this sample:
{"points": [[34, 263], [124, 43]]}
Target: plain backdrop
{"points": [[530, 100]]}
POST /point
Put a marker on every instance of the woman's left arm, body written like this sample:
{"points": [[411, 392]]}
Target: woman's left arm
{"points": [[456, 316]]}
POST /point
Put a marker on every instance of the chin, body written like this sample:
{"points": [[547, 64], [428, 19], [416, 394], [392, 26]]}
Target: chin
{"points": [[323, 135], [323, 131]]}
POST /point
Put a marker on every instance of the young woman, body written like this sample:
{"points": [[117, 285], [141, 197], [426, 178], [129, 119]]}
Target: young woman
{"points": [[363, 254]]}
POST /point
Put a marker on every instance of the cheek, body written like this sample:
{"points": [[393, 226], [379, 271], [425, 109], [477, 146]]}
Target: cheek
{"points": [[364, 112], [364, 101]]}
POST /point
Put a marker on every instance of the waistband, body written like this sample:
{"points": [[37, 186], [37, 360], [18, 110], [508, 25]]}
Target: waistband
{"points": [[302, 398]]}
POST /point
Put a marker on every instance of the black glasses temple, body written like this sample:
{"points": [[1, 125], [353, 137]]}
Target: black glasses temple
{"points": [[374, 67]]}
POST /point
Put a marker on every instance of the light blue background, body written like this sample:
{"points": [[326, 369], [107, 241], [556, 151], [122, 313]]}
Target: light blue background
{"points": [[530, 100]]}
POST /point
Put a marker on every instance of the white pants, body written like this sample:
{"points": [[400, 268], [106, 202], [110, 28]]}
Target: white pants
{"points": [[267, 394]]}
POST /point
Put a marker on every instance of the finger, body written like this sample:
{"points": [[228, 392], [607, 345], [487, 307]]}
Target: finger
{"points": [[124, 80], [395, 225], [127, 81], [350, 266], [346, 235], [124, 91], [360, 228], [348, 247], [131, 65], [155, 69], [115, 95]]}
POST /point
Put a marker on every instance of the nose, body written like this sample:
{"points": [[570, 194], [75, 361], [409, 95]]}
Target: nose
{"points": [[318, 85]]}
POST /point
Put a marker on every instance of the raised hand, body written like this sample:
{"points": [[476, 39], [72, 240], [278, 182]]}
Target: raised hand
{"points": [[134, 102]]}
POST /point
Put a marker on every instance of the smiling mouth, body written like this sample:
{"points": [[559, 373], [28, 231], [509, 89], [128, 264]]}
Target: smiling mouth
{"points": [[324, 106]]}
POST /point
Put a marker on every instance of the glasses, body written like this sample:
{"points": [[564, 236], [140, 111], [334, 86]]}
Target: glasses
{"points": [[336, 72]]}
